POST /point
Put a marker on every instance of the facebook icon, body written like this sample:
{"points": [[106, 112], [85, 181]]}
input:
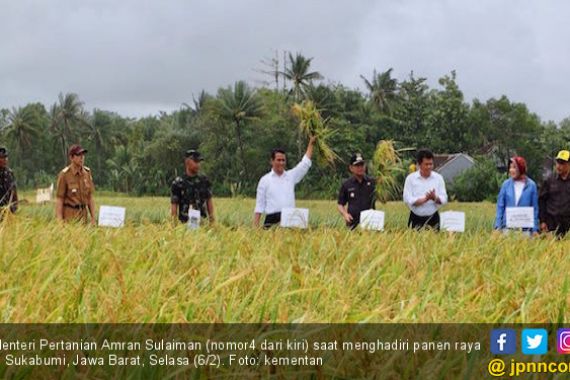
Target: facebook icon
{"points": [[503, 341]]}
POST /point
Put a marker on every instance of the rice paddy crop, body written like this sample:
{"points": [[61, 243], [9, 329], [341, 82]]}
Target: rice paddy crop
{"points": [[155, 270]]}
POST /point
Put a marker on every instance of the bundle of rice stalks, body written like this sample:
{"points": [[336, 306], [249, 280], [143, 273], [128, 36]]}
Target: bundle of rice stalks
{"points": [[388, 169], [312, 124]]}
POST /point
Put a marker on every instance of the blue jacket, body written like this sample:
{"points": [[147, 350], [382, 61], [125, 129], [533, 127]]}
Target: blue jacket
{"points": [[506, 198]]}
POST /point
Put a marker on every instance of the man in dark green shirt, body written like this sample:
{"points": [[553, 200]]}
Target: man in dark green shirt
{"points": [[191, 190], [554, 197]]}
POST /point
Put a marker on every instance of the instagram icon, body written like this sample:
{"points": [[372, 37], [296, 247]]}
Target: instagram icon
{"points": [[563, 341]]}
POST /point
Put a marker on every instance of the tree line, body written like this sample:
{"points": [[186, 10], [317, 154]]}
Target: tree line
{"points": [[236, 128]]}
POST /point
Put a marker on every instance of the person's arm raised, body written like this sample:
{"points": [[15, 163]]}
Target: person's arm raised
{"points": [[302, 168], [310, 147]]}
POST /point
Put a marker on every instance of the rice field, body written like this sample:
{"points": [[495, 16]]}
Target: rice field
{"points": [[154, 270]]}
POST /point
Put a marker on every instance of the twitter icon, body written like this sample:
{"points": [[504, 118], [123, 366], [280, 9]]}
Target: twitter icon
{"points": [[534, 341]]}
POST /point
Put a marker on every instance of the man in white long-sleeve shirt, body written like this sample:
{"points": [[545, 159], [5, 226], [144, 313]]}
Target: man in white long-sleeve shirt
{"points": [[424, 193], [276, 189]]}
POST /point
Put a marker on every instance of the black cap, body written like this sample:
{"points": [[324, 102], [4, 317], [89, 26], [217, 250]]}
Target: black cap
{"points": [[194, 155], [3, 152], [356, 159]]}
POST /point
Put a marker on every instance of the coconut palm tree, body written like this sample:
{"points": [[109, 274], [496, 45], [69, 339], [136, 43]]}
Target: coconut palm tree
{"points": [[298, 73], [383, 90], [67, 117], [198, 103], [102, 133], [239, 105], [22, 128], [124, 171]]}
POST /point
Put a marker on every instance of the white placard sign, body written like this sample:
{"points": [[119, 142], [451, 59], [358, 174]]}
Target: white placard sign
{"points": [[452, 221], [111, 216], [372, 220], [193, 219], [295, 217], [520, 217], [44, 194]]}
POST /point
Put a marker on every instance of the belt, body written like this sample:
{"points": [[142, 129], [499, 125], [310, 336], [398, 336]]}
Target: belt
{"points": [[77, 207]]}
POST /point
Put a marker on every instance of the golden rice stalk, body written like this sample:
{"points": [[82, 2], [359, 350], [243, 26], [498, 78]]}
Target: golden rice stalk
{"points": [[311, 123], [386, 165]]}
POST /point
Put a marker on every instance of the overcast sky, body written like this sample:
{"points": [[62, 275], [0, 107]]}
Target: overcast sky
{"points": [[137, 57]]}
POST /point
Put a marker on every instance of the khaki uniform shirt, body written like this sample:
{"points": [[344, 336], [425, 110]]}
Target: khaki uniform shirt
{"points": [[75, 186]]}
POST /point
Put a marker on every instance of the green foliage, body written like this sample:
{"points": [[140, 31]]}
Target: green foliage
{"points": [[479, 183], [383, 90], [237, 127], [67, 119], [447, 120], [239, 106]]}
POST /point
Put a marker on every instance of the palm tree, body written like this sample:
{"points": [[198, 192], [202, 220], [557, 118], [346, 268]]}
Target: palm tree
{"points": [[66, 119], [188, 112], [239, 106], [198, 104], [123, 169], [100, 130], [298, 73], [3, 118], [22, 128], [383, 90]]}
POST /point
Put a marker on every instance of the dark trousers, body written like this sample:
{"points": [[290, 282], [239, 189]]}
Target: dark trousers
{"points": [[559, 225], [418, 222], [272, 220]]}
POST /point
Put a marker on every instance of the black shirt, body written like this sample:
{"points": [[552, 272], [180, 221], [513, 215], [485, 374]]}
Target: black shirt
{"points": [[554, 199], [7, 187], [360, 196]]}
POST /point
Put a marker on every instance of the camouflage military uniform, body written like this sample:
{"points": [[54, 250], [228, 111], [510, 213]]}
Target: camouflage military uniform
{"points": [[189, 191], [8, 194]]}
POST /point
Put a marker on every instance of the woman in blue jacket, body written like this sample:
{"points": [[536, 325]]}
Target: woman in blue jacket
{"points": [[517, 191]]}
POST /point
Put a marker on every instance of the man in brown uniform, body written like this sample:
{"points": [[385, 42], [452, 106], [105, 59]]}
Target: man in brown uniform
{"points": [[75, 189]]}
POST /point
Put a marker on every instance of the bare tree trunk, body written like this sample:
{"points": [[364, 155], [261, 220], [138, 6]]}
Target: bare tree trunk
{"points": [[276, 72], [240, 147], [63, 144], [284, 69]]}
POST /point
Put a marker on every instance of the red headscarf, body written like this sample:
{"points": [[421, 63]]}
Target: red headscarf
{"points": [[520, 163]]}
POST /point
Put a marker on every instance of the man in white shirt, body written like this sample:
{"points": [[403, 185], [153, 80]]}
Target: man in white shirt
{"points": [[424, 193], [276, 189]]}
